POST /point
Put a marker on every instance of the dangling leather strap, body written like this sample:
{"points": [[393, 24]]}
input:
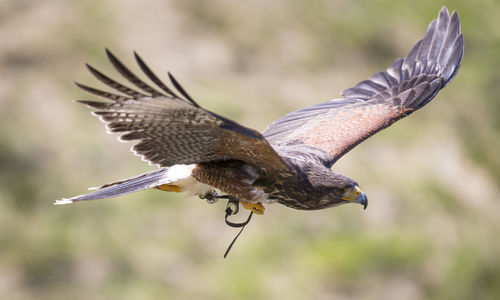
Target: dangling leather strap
{"points": [[242, 225], [229, 212]]}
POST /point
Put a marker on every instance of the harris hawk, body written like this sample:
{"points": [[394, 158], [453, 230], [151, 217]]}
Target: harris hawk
{"points": [[199, 152]]}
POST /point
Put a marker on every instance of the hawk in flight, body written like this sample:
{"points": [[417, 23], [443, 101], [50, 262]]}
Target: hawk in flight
{"points": [[198, 151]]}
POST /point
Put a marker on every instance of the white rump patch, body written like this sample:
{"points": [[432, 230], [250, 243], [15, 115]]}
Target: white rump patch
{"points": [[181, 175]]}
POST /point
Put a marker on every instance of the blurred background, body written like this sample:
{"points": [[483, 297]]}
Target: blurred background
{"points": [[431, 230]]}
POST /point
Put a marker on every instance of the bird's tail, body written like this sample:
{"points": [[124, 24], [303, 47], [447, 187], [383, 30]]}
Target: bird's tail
{"points": [[161, 178]]}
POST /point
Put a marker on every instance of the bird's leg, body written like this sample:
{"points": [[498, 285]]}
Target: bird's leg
{"points": [[232, 203], [210, 196], [257, 208]]}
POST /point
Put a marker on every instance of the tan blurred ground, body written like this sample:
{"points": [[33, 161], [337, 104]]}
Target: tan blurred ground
{"points": [[431, 230]]}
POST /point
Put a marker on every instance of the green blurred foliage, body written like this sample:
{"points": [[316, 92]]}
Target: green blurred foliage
{"points": [[430, 232]]}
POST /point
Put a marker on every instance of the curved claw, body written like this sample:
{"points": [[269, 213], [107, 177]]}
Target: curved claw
{"points": [[210, 196]]}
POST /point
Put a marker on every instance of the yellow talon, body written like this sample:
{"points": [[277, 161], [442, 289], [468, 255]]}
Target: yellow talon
{"points": [[257, 208]]}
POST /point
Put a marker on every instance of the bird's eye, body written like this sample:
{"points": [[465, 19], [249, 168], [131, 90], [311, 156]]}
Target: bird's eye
{"points": [[339, 190]]}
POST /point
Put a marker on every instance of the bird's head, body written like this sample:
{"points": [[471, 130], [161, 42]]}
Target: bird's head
{"points": [[350, 194], [340, 189]]}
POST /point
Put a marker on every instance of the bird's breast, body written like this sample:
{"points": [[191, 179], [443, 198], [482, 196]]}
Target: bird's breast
{"points": [[232, 177]]}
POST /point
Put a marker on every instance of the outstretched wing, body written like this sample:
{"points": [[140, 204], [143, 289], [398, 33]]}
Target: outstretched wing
{"points": [[173, 129], [338, 125]]}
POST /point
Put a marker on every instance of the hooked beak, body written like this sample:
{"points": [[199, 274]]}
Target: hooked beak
{"points": [[356, 195], [361, 199]]}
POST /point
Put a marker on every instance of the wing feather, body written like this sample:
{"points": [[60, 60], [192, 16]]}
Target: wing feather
{"points": [[338, 125], [172, 130], [100, 93], [131, 76], [114, 84]]}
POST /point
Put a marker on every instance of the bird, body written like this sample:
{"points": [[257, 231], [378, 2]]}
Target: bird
{"points": [[202, 153]]}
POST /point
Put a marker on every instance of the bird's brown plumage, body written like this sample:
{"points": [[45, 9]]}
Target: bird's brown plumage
{"points": [[290, 162], [172, 129]]}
